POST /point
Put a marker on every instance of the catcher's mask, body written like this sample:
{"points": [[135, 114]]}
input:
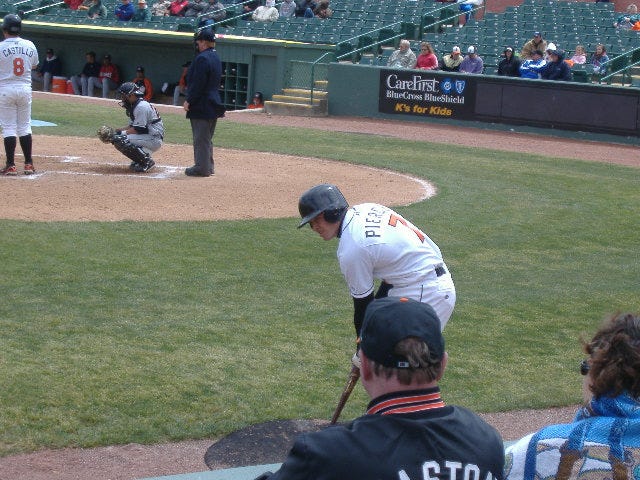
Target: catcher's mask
{"points": [[324, 198], [127, 89]]}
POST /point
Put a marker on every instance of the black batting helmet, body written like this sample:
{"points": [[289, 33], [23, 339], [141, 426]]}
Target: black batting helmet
{"points": [[12, 23], [129, 88], [324, 198]]}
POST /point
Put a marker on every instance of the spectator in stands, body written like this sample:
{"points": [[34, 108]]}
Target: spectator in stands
{"points": [[536, 43], [472, 62], [509, 66], [531, 67], [124, 12], [451, 61], [287, 9], [266, 13], [599, 60], [249, 7], [160, 8], [97, 10], [108, 79], [142, 13], [323, 11], [551, 47], [85, 5], [177, 8], [305, 8], [467, 7], [214, 12], [49, 68], [143, 83], [195, 8], [628, 18], [90, 70], [73, 4], [602, 440], [427, 59], [556, 68], [580, 57], [403, 57], [256, 102]]}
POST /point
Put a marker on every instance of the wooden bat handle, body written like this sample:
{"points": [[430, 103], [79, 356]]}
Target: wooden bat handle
{"points": [[354, 374]]}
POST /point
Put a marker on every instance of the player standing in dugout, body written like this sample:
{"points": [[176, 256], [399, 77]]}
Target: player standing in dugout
{"points": [[18, 57]]}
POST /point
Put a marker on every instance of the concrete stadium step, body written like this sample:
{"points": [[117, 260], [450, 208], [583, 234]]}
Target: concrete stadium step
{"points": [[297, 102]]}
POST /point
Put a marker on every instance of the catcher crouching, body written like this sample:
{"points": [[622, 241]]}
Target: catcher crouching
{"points": [[144, 134]]}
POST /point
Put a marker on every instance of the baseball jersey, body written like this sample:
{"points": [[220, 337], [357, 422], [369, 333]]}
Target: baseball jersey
{"points": [[147, 120], [18, 57], [377, 243], [404, 436]]}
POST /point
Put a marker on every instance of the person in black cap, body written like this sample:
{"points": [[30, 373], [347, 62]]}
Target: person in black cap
{"points": [[509, 66], [256, 102], [50, 67], [408, 431], [203, 104], [143, 83]]}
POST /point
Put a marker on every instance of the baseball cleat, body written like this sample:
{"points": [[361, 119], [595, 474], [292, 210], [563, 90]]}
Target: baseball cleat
{"points": [[28, 169], [9, 170], [148, 165]]}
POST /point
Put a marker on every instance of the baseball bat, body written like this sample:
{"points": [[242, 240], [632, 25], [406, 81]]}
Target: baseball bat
{"points": [[354, 374]]}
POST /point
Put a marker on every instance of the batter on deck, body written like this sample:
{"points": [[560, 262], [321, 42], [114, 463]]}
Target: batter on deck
{"points": [[18, 57], [377, 243]]}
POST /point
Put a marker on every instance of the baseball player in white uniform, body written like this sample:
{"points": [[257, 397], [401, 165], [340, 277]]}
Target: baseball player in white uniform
{"points": [[377, 243], [18, 57]]}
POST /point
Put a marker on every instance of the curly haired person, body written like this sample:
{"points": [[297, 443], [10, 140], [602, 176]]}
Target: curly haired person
{"points": [[603, 441]]}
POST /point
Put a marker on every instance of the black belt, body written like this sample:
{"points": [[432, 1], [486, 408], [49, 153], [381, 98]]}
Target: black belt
{"points": [[440, 270], [155, 121]]}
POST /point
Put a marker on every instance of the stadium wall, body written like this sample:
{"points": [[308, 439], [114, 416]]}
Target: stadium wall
{"points": [[369, 91]]}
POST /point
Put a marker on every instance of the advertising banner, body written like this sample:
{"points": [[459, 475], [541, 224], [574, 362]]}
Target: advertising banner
{"points": [[412, 92]]}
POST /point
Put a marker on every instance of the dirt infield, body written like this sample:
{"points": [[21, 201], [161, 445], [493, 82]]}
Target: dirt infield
{"points": [[79, 179]]}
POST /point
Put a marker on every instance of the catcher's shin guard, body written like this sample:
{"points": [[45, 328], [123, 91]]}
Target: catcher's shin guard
{"points": [[129, 150]]}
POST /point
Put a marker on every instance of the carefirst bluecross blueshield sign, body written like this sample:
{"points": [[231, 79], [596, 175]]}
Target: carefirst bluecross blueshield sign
{"points": [[412, 92]]}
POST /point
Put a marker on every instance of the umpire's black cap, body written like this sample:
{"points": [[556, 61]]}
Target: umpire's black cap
{"points": [[206, 34], [392, 319]]}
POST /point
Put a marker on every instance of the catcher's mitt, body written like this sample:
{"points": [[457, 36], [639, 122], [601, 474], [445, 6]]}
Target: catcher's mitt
{"points": [[106, 133]]}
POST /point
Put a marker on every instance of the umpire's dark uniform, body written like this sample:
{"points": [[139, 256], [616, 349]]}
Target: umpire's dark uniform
{"points": [[205, 106], [432, 440]]}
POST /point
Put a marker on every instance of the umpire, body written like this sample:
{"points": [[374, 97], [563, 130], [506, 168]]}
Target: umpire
{"points": [[203, 104]]}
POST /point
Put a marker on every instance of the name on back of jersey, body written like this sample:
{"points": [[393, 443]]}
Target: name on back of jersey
{"points": [[18, 50]]}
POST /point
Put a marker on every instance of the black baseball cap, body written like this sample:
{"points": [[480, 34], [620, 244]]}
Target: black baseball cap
{"points": [[186, 64], [139, 68], [49, 50], [392, 319], [206, 34]]}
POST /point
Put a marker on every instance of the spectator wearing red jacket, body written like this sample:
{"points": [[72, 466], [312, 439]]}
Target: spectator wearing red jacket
{"points": [[427, 59], [178, 7]]}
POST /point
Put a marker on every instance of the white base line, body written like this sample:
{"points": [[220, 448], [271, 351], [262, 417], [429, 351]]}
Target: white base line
{"points": [[166, 171]]}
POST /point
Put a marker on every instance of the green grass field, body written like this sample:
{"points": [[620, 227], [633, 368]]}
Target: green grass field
{"points": [[148, 332]]}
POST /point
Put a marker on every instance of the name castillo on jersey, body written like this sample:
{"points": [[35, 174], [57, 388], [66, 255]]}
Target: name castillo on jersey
{"points": [[18, 50]]}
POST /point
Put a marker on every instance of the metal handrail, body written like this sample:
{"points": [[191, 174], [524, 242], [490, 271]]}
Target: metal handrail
{"points": [[624, 70], [43, 7]]}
